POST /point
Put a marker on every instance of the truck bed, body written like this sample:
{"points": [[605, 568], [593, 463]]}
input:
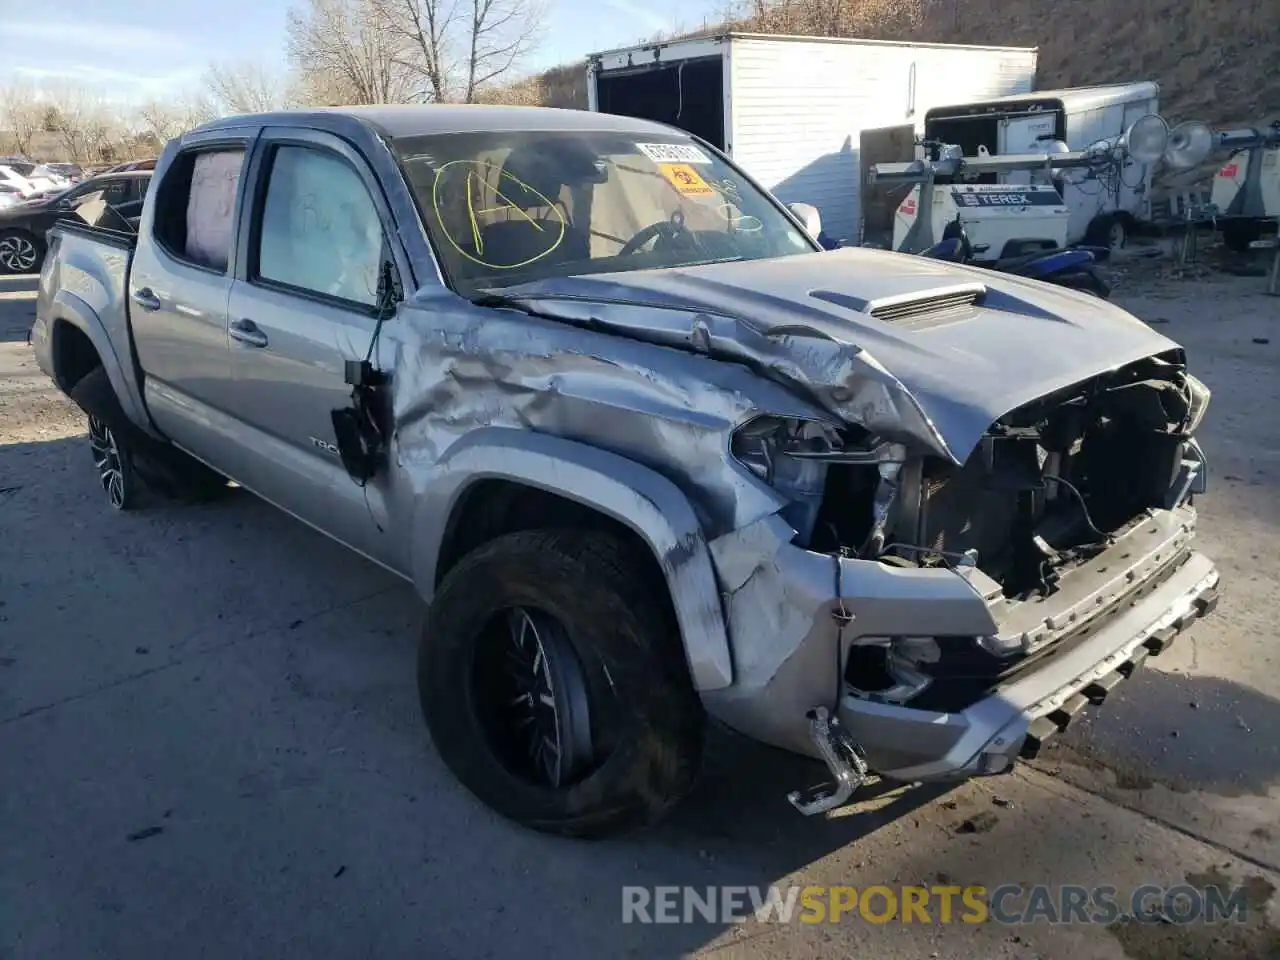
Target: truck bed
{"points": [[85, 283]]}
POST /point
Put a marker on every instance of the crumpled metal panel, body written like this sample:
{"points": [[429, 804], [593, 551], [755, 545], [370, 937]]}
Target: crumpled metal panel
{"points": [[805, 321], [458, 367], [660, 367]]}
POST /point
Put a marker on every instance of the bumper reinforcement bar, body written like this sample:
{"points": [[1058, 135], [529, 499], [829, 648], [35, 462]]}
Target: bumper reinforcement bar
{"points": [[1043, 728]]}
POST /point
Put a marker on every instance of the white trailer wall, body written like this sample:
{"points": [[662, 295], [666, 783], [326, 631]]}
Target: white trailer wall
{"points": [[798, 107]]}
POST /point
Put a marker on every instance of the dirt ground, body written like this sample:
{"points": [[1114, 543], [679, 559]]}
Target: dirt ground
{"points": [[210, 743]]}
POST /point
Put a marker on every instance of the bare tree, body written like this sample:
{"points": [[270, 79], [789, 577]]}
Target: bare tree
{"points": [[166, 119], [500, 33], [425, 26], [246, 87], [103, 130], [70, 113], [21, 113], [459, 47], [346, 51]]}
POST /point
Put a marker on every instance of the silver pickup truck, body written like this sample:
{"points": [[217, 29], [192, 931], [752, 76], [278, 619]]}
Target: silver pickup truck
{"points": [[646, 451]]}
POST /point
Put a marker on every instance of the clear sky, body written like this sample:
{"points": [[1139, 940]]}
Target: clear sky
{"points": [[133, 49]]}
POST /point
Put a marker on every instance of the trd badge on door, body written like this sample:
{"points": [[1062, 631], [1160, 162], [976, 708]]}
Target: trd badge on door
{"points": [[325, 445]]}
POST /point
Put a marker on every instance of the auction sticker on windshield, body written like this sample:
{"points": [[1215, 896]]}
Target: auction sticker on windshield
{"points": [[686, 180], [673, 153]]}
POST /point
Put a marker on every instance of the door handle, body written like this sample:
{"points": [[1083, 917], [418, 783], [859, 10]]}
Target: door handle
{"points": [[247, 332], [146, 299]]}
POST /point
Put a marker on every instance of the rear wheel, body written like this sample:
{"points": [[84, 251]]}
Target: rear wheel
{"points": [[128, 459], [20, 252], [111, 437], [114, 464], [555, 688]]}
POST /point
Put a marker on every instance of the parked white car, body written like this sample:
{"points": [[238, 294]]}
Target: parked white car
{"points": [[32, 178], [11, 177], [46, 173], [9, 195]]}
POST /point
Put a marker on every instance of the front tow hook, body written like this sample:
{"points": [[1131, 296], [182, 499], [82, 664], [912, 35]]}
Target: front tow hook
{"points": [[844, 758]]}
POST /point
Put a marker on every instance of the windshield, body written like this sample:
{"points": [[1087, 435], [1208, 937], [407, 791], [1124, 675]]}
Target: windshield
{"points": [[509, 207]]}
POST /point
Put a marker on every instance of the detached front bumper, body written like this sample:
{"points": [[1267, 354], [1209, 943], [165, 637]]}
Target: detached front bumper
{"points": [[792, 628]]}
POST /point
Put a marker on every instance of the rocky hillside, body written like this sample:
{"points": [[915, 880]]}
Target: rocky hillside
{"points": [[1216, 60]]}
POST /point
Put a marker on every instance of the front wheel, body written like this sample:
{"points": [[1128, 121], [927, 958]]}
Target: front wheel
{"points": [[555, 687]]}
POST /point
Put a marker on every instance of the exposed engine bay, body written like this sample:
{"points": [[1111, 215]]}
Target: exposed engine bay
{"points": [[1048, 486]]}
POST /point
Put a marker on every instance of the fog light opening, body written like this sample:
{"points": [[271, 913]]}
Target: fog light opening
{"points": [[886, 669]]}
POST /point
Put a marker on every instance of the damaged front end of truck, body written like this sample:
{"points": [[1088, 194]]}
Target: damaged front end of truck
{"points": [[987, 529], [968, 611]]}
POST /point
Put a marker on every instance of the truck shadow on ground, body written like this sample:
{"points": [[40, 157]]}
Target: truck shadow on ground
{"points": [[736, 829], [17, 306], [1184, 732]]}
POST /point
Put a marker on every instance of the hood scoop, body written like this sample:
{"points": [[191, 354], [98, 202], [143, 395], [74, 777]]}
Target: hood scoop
{"points": [[916, 310]]}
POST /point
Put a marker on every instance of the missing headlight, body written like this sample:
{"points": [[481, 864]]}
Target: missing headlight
{"points": [[766, 446], [829, 475]]}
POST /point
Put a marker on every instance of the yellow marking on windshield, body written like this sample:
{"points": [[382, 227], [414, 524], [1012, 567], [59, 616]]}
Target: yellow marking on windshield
{"points": [[471, 210], [552, 227]]}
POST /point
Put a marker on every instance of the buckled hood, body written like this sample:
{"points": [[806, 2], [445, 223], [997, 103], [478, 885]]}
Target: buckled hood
{"points": [[904, 346]]}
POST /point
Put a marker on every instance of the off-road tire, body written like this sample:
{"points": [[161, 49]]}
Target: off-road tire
{"points": [[643, 704], [164, 469]]}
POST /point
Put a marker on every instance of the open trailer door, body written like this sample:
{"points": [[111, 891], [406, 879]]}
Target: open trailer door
{"points": [[896, 144], [681, 84]]}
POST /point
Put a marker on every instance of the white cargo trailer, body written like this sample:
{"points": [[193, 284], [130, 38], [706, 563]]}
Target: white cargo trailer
{"points": [[792, 110], [1101, 211]]}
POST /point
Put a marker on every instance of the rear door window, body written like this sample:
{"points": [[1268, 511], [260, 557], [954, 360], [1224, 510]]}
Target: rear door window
{"points": [[196, 212]]}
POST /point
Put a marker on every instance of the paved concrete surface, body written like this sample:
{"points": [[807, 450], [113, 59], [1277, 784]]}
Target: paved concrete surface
{"points": [[210, 743]]}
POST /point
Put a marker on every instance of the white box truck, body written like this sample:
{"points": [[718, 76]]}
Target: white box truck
{"points": [[1102, 212], [792, 110]]}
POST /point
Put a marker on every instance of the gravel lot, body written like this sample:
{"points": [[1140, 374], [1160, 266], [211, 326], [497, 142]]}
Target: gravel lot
{"points": [[210, 743]]}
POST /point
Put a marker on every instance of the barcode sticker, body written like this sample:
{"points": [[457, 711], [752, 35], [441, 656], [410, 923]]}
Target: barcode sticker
{"points": [[673, 153]]}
